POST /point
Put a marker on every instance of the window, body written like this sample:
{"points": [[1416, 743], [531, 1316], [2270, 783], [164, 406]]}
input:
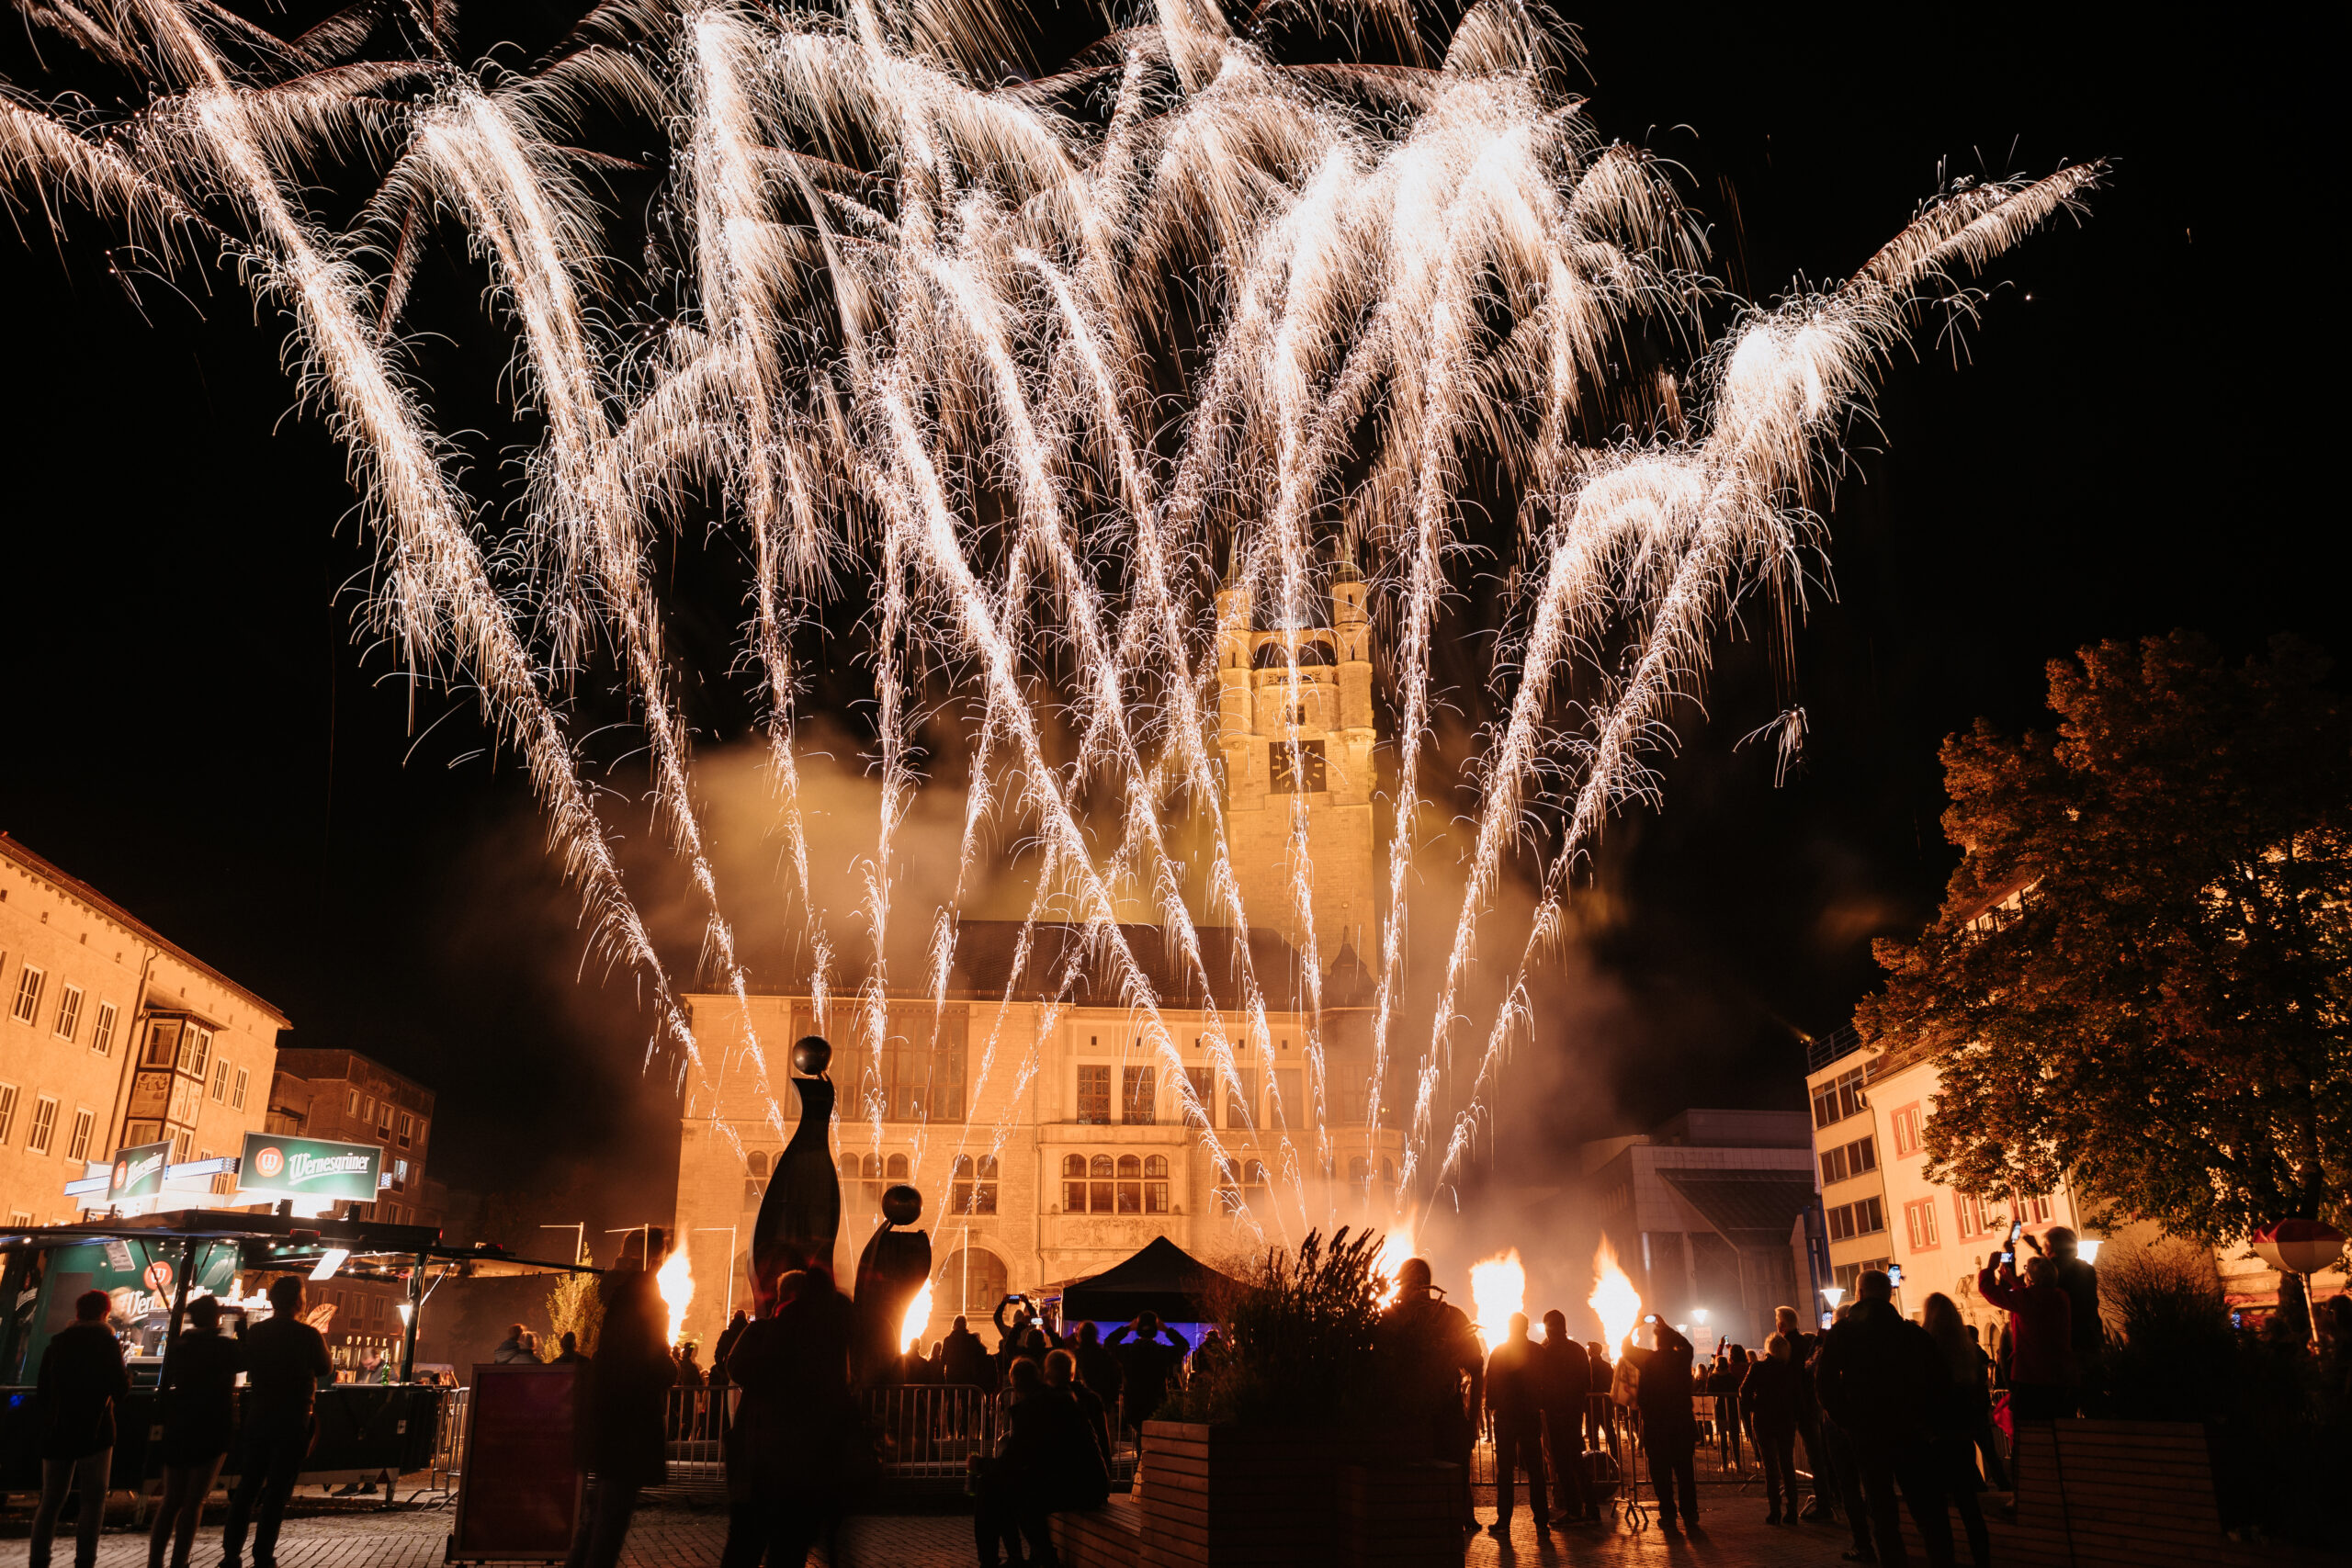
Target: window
{"points": [[18, 1219], [351, 1102], [196, 1050], [8, 1110], [28, 1005], [755, 1181], [1290, 1088], [1848, 1160], [1136, 1096], [77, 1147], [1242, 1098], [1130, 1184], [1850, 1274], [367, 1108], [179, 1146], [919, 1075], [1201, 1083], [1919, 1220], [1968, 1216], [221, 1080], [1839, 1098], [1094, 1096], [43, 1127], [1309, 776], [2034, 1208], [408, 1127], [1155, 1184], [1099, 1184], [102, 1034], [1906, 1131], [1856, 1219], [69, 1011], [1862, 1155], [1253, 1180], [162, 1038], [1073, 1184], [1833, 1166], [974, 1189]]}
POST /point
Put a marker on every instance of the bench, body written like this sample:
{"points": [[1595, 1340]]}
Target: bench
{"points": [[1110, 1537]]}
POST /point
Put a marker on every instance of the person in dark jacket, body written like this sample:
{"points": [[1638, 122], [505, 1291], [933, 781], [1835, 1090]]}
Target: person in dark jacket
{"points": [[1146, 1363], [1062, 1377], [200, 1410], [1670, 1429], [81, 1379], [2085, 1333], [794, 1431], [1567, 1387], [1801, 1347], [1599, 1430], [1769, 1396], [285, 1360], [1099, 1368], [1515, 1398], [1047, 1463], [625, 1403], [964, 1358], [1883, 1381], [568, 1352], [1431, 1361]]}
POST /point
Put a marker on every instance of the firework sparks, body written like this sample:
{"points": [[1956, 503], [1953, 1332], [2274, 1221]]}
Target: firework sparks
{"points": [[916, 326]]}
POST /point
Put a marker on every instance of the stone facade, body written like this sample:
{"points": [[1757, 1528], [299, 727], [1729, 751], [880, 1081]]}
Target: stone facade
{"points": [[111, 1035]]}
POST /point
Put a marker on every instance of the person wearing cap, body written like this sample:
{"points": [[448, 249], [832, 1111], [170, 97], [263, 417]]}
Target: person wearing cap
{"points": [[1433, 1360]]}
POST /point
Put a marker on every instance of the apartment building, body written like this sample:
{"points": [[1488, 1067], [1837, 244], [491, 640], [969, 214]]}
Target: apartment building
{"points": [[114, 1036]]}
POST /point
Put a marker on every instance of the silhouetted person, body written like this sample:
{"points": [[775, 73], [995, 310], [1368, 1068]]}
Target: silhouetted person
{"points": [[1801, 1347], [199, 1410], [726, 1346], [1769, 1395], [1099, 1368], [964, 1358], [2042, 1365], [794, 1428], [2086, 1332], [1669, 1430], [515, 1348], [1599, 1431], [81, 1379], [1432, 1362], [1883, 1381], [627, 1403], [1514, 1400], [285, 1360], [1566, 1379], [570, 1354], [1048, 1462], [690, 1371], [1146, 1363], [1955, 1441], [1062, 1376]]}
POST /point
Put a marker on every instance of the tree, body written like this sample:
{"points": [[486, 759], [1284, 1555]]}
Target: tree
{"points": [[2162, 1012], [574, 1307]]}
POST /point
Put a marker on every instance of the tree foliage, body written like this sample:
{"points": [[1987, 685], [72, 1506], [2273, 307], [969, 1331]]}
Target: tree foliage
{"points": [[2163, 1016]]}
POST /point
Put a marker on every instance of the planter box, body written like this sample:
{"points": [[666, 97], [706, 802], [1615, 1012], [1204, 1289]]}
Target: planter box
{"points": [[1267, 1496]]}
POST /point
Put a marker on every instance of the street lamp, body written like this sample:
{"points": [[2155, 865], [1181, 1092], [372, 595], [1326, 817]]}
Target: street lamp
{"points": [[1700, 1315]]}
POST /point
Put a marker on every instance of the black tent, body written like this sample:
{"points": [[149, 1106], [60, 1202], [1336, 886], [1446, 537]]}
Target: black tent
{"points": [[1163, 1277]]}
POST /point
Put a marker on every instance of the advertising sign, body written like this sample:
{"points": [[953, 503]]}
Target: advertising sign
{"points": [[274, 1166], [138, 1172]]}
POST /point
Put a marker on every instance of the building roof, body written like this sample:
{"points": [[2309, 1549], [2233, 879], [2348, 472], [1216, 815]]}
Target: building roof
{"points": [[986, 952], [1754, 1206], [13, 849], [333, 1063]]}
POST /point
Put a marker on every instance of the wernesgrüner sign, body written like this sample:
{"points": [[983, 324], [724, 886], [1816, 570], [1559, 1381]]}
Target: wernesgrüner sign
{"points": [[276, 1166]]}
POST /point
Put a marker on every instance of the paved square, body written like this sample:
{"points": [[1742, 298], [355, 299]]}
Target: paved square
{"points": [[680, 1535]]}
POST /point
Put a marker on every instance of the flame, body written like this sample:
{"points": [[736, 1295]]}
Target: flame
{"points": [[1497, 1288], [1613, 1299], [1395, 1248], [918, 1318], [676, 1281]]}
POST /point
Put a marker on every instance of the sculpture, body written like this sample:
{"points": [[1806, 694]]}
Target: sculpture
{"points": [[891, 1269], [801, 1214]]}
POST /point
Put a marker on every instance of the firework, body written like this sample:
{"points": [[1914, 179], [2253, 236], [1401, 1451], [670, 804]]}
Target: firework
{"points": [[921, 329]]}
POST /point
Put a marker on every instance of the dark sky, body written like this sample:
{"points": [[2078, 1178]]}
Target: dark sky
{"points": [[2124, 447]]}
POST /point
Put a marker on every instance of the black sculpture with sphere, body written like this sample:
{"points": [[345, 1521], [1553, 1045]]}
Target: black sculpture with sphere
{"points": [[891, 1269], [801, 1215]]}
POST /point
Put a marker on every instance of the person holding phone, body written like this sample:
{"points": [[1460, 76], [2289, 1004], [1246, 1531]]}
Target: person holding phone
{"points": [[1669, 1427]]}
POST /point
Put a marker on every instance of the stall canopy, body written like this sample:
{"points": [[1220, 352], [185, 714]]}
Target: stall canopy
{"points": [[1163, 1277]]}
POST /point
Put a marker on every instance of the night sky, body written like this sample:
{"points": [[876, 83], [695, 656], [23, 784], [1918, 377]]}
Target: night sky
{"points": [[2127, 443]]}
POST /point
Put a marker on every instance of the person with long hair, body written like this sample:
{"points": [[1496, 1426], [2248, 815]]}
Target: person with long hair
{"points": [[1955, 1444]]}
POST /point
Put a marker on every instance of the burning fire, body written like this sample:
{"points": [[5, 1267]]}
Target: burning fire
{"points": [[1395, 1248], [1497, 1288], [1613, 1299], [676, 1281], [918, 1318]]}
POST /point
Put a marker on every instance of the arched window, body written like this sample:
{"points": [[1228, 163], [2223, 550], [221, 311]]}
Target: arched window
{"points": [[1155, 1184], [758, 1161], [870, 1180], [1228, 1197], [1253, 1177], [969, 1284], [1313, 653], [974, 1190], [1099, 1185], [1387, 1171], [897, 1169], [849, 1170], [1359, 1170], [1130, 1184], [1073, 1184]]}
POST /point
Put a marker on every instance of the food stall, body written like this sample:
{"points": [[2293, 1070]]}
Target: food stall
{"points": [[151, 1266]]}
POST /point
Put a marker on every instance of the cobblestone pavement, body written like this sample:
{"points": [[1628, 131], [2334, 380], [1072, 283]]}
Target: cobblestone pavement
{"points": [[1733, 1533]]}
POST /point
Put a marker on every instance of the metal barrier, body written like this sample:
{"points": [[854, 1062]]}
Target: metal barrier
{"points": [[930, 1431], [447, 1464]]}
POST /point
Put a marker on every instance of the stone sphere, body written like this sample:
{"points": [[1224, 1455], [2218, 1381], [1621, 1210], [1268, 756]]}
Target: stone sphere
{"points": [[812, 1056], [902, 1205]]}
